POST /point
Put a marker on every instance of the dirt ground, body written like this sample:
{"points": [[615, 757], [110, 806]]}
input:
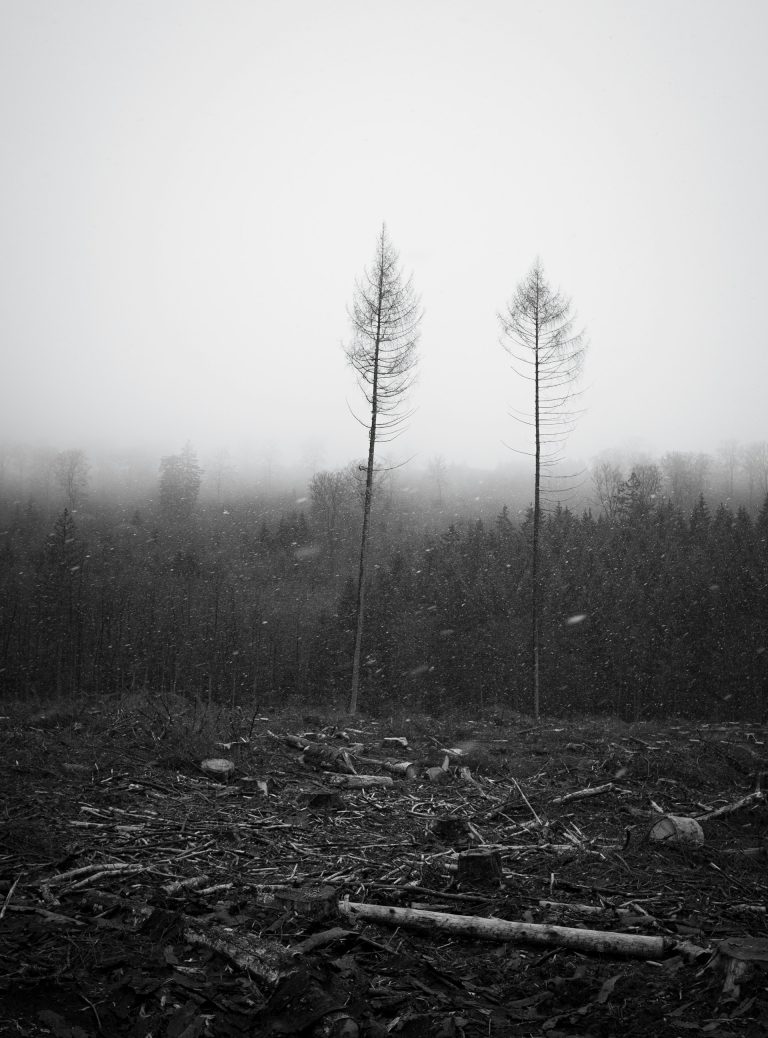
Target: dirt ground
{"points": [[143, 895]]}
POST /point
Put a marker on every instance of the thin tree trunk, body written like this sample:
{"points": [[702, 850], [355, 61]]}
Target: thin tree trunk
{"points": [[536, 522], [360, 608]]}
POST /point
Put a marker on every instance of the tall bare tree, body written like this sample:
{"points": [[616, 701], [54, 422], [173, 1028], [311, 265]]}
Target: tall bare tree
{"points": [[537, 333], [385, 315]]}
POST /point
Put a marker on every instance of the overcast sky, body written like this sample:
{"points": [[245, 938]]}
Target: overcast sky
{"points": [[189, 190]]}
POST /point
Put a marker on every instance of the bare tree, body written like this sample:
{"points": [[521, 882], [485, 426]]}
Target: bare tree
{"points": [[608, 481], [385, 317], [333, 495], [70, 469], [537, 333], [438, 472], [645, 484]]}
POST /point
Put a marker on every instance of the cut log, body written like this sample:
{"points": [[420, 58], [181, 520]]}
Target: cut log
{"points": [[403, 769], [359, 781], [479, 867], [437, 775], [594, 942]]}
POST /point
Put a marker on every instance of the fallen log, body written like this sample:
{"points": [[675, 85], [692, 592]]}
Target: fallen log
{"points": [[359, 781], [593, 942], [268, 961], [402, 768], [728, 809]]}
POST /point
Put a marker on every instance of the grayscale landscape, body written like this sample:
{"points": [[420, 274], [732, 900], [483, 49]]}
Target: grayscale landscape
{"points": [[383, 519]]}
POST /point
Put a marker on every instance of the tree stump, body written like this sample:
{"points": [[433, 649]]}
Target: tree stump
{"points": [[325, 800], [479, 867], [451, 830], [310, 902]]}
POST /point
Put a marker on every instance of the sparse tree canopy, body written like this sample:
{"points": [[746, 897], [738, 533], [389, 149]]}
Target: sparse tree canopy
{"points": [[385, 316], [538, 334]]}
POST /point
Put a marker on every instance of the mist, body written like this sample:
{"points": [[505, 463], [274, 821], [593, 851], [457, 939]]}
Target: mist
{"points": [[189, 194]]}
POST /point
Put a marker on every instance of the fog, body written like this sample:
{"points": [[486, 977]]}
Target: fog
{"points": [[190, 190]]}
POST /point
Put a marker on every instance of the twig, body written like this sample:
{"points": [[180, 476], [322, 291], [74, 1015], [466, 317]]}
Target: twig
{"points": [[9, 895], [582, 794], [527, 802]]}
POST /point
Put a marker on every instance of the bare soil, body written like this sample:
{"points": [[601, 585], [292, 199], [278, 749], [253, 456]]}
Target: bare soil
{"points": [[142, 896]]}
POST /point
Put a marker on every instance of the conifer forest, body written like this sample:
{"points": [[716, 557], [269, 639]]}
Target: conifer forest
{"points": [[199, 581]]}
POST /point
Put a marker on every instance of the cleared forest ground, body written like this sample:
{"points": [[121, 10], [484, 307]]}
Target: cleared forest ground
{"points": [[141, 895]]}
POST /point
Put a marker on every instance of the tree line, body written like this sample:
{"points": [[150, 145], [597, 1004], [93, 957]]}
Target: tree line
{"points": [[646, 609]]}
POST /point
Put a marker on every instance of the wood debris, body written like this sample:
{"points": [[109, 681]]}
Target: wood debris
{"points": [[509, 902]]}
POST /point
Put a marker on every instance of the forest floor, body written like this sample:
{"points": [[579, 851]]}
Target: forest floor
{"points": [[143, 895]]}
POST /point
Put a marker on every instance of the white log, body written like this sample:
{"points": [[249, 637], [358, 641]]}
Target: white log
{"points": [[404, 768], [596, 942], [359, 781]]}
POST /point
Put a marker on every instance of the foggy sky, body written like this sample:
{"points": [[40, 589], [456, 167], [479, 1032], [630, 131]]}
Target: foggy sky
{"points": [[189, 190]]}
